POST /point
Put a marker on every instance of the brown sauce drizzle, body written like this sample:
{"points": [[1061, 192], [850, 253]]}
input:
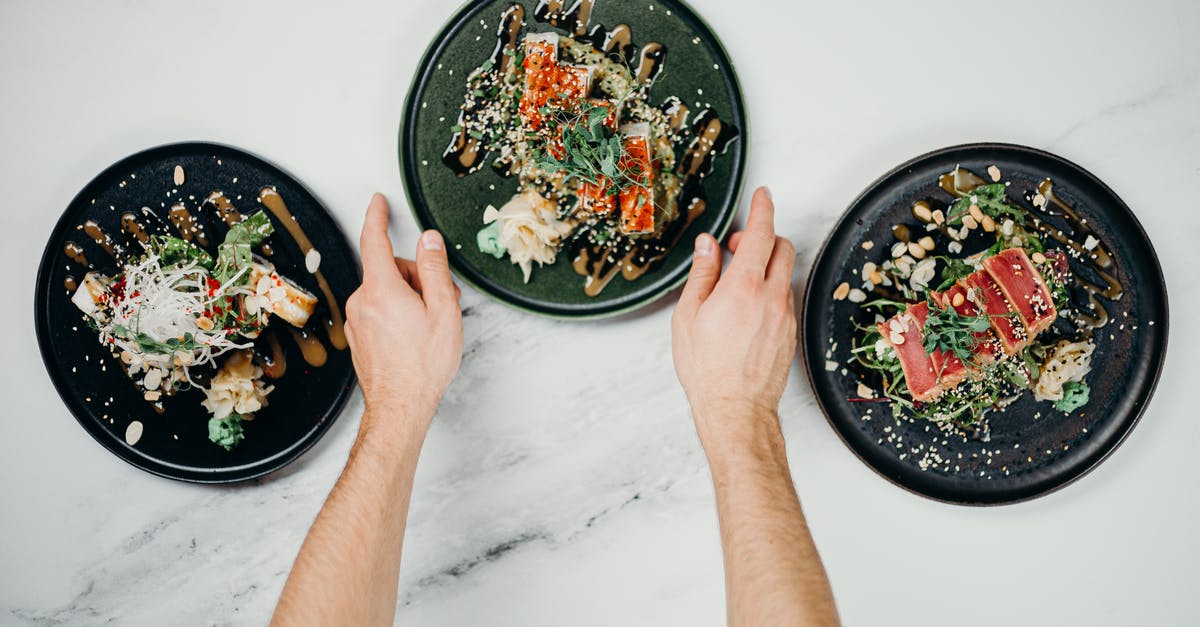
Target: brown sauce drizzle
{"points": [[573, 20], [1098, 259], [600, 263], [465, 155], [311, 348], [186, 224], [70, 283], [130, 224], [219, 203], [274, 362], [336, 327], [99, 236], [75, 253]]}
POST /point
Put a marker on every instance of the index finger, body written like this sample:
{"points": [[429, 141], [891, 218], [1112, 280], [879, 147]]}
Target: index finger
{"points": [[758, 240], [376, 246]]}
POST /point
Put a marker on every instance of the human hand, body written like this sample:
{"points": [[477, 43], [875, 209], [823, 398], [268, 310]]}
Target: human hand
{"points": [[734, 336], [404, 326]]}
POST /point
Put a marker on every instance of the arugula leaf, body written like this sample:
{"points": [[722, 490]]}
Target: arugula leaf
{"points": [[226, 432], [955, 269], [177, 252], [1076, 394], [236, 253], [991, 199]]}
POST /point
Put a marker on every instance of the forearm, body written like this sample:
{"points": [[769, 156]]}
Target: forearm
{"points": [[773, 573], [348, 568]]}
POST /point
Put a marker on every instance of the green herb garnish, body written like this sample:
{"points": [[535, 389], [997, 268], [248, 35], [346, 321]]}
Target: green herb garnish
{"points": [[991, 200], [148, 344], [591, 152], [955, 269], [953, 333], [174, 251], [236, 254]]}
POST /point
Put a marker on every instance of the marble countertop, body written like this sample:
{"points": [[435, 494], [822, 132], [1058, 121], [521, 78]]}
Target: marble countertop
{"points": [[547, 499]]}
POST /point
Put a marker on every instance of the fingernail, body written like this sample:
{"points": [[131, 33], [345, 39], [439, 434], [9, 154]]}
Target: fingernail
{"points": [[767, 190], [703, 246], [432, 240], [376, 196]]}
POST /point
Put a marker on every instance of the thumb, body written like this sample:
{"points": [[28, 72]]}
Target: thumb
{"points": [[706, 269], [433, 268]]}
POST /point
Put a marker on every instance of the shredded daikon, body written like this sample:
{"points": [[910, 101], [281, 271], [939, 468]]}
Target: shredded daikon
{"points": [[154, 318]]}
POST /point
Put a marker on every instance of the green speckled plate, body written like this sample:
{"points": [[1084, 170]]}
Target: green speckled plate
{"points": [[696, 69]]}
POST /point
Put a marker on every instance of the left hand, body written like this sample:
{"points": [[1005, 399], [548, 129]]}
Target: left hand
{"points": [[404, 327]]}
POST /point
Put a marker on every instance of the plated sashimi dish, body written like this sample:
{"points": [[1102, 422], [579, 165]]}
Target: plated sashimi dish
{"points": [[974, 309], [601, 174]]}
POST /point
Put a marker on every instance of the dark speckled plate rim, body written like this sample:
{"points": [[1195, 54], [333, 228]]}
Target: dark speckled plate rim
{"points": [[237, 474], [811, 321], [578, 313]]}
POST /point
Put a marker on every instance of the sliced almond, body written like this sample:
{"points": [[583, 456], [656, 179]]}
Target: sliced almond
{"points": [[1038, 258], [926, 243], [969, 223], [958, 299], [976, 212], [896, 338], [939, 217], [994, 172], [922, 212], [899, 248], [864, 391], [875, 278], [152, 379], [988, 223], [915, 250], [178, 177], [1039, 200], [867, 269], [205, 323], [841, 291], [152, 396], [857, 296]]}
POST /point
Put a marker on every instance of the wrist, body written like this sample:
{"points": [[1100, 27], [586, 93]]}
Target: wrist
{"points": [[394, 428], [738, 434]]}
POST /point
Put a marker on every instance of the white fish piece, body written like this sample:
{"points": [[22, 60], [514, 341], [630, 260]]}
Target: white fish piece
{"points": [[284, 297], [87, 295]]}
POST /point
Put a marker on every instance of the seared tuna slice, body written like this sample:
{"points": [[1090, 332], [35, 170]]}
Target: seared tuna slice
{"points": [[903, 333], [985, 294], [1024, 288], [949, 369]]}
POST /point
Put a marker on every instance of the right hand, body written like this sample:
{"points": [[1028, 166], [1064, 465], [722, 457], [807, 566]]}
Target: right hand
{"points": [[404, 327], [734, 336]]}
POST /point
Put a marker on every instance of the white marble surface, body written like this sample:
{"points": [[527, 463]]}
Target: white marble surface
{"points": [[549, 498]]}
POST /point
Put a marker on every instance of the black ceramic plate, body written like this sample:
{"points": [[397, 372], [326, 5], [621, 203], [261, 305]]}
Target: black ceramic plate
{"points": [[175, 444], [1033, 449], [696, 69]]}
